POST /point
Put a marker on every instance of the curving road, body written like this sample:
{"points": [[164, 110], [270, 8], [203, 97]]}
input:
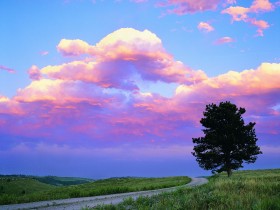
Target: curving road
{"points": [[78, 203]]}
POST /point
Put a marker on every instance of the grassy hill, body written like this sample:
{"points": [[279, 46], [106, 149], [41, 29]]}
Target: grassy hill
{"points": [[21, 186], [258, 189], [51, 180], [28, 189], [62, 181]]}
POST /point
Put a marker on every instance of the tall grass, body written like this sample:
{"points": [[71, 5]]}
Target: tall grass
{"points": [[100, 187], [258, 190]]}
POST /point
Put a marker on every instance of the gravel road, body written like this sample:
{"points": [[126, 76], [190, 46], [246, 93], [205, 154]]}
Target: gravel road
{"points": [[78, 203]]}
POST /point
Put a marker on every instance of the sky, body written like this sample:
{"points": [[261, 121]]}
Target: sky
{"points": [[110, 88]]}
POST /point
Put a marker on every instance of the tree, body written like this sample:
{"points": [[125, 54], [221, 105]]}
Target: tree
{"points": [[228, 142]]}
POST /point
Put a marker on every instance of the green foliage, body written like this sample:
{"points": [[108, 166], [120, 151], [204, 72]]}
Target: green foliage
{"points": [[256, 190], [228, 141], [99, 187]]}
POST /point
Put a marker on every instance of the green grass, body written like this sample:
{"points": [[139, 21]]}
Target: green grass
{"points": [[100, 187], [257, 190]]}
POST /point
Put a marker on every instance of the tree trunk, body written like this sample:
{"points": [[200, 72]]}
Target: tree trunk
{"points": [[229, 172]]}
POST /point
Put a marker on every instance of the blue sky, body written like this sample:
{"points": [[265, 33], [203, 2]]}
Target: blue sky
{"points": [[179, 70]]}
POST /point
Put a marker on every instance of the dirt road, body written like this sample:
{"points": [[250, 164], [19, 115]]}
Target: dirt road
{"points": [[78, 203]]}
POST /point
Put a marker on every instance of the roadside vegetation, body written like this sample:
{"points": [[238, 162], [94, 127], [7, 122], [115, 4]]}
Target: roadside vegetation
{"points": [[257, 190], [23, 189]]}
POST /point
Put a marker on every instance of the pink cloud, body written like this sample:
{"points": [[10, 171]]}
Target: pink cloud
{"points": [[231, 1], [7, 69], [206, 27], [139, 1], [34, 73], [260, 86], [73, 47], [123, 152], [120, 59], [71, 107], [261, 25], [62, 92], [43, 53], [242, 14], [238, 13], [261, 6], [182, 7], [224, 40], [10, 107]]}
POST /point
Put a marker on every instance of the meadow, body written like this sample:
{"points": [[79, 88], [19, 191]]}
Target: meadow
{"points": [[257, 190], [18, 189]]}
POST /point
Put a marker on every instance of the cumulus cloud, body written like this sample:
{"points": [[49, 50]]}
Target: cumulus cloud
{"points": [[34, 73], [73, 47], [88, 110], [62, 92], [86, 103], [260, 85], [206, 27], [119, 59]]}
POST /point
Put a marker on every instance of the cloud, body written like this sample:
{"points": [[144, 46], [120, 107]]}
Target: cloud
{"points": [[62, 92], [43, 53], [231, 2], [239, 13], [224, 40], [261, 6], [34, 73], [9, 107], [120, 59], [7, 69], [73, 47], [124, 152], [206, 27], [182, 7], [261, 25], [70, 104], [255, 89], [139, 1]]}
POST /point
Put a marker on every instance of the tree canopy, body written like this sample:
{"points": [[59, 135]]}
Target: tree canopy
{"points": [[228, 141]]}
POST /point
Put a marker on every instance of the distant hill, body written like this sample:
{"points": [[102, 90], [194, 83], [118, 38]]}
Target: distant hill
{"points": [[62, 181], [51, 180]]}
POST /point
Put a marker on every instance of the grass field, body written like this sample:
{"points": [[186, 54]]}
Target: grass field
{"points": [[257, 190], [13, 188]]}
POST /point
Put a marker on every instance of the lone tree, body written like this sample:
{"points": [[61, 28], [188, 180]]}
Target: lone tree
{"points": [[228, 142]]}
